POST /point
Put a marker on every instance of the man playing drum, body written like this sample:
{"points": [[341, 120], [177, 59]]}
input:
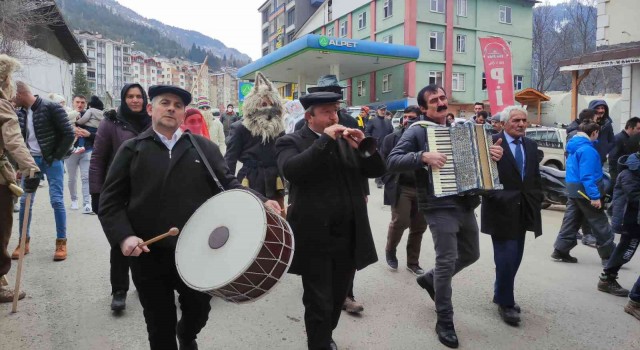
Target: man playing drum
{"points": [[157, 181], [328, 210]]}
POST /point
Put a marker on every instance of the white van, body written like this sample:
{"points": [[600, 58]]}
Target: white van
{"points": [[552, 141]]}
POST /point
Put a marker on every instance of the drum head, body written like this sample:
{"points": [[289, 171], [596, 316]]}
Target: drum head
{"points": [[200, 264]]}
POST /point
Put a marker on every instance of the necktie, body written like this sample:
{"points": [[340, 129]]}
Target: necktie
{"points": [[518, 156]]}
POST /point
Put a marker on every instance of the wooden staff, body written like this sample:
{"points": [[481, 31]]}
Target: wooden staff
{"points": [[172, 232], [23, 240]]}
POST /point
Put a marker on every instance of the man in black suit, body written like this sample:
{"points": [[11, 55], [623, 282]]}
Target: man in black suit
{"points": [[509, 213], [327, 212]]}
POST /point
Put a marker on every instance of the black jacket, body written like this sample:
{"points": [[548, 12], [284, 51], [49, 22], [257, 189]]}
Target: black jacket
{"points": [[378, 127], [53, 131], [393, 180], [406, 156], [618, 150], [509, 213], [259, 166], [148, 189], [325, 193]]}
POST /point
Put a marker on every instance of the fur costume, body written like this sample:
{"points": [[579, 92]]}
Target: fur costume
{"points": [[263, 110], [8, 65], [252, 140]]}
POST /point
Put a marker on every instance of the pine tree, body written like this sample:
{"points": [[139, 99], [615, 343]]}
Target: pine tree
{"points": [[80, 83]]}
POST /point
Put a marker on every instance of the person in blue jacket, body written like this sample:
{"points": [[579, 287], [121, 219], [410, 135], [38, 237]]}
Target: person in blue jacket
{"points": [[586, 189]]}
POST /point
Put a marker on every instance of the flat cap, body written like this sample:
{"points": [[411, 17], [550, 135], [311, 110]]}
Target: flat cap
{"points": [[318, 98], [156, 90]]}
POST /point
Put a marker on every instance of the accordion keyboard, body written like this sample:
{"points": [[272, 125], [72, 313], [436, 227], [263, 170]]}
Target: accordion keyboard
{"points": [[444, 179]]}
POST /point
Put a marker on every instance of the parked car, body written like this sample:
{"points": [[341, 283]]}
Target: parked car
{"points": [[552, 141]]}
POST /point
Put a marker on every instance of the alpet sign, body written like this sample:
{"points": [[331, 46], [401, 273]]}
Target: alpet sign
{"points": [[325, 41]]}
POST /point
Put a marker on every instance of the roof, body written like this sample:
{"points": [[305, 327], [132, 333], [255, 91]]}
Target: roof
{"points": [[312, 56], [622, 54], [62, 32], [530, 95]]}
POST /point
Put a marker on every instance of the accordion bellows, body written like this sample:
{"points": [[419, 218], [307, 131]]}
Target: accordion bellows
{"points": [[469, 168]]}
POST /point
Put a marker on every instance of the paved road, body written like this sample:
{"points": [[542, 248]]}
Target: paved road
{"points": [[67, 306]]}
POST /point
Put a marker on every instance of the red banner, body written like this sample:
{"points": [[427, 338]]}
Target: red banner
{"points": [[497, 67]]}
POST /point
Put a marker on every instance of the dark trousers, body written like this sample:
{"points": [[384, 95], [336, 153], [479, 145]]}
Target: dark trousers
{"points": [[155, 277], [456, 242], [405, 214], [624, 251], [507, 255], [6, 221], [325, 288], [634, 294], [577, 210], [119, 263]]}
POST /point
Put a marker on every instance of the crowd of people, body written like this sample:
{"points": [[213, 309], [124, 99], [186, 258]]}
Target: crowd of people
{"points": [[151, 163]]}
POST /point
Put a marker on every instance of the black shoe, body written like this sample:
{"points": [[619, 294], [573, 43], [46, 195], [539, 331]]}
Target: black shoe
{"points": [[332, 345], [515, 306], [564, 257], [509, 315], [192, 345], [427, 284], [416, 269], [447, 334], [608, 284], [392, 261], [589, 240], [118, 303]]}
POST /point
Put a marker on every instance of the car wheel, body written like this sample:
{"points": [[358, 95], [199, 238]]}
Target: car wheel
{"points": [[545, 205], [552, 165]]}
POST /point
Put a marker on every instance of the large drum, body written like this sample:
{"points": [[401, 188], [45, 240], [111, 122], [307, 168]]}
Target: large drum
{"points": [[234, 248]]}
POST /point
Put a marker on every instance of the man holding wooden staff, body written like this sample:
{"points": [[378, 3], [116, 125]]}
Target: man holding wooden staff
{"points": [[157, 181], [11, 141]]}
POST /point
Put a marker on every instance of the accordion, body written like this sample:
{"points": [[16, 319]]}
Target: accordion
{"points": [[469, 168]]}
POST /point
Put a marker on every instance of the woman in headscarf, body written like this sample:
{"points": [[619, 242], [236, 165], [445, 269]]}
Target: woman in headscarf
{"points": [[194, 121], [116, 128]]}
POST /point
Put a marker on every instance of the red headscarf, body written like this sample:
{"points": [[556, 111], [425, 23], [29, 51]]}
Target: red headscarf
{"points": [[194, 121]]}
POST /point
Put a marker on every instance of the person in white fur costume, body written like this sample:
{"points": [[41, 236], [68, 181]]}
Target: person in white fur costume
{"points": [[252, 140]]}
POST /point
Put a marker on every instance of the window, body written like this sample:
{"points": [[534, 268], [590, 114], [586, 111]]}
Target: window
{"points": [[343, 28], [518, 82], [265, 35], [461, 43], [387, 8], [330, 30], [462, 8], [265, 15], [388, 39], [505, 14], [91, 75], [457, 83], [291, 37], [437, 6], [484, 82], [386, 83], [291, 17], [436, 41], [362, 20], [435, 78], [361, 88]]}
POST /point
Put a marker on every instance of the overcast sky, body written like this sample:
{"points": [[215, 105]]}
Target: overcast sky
{"points": [[236, 23]]}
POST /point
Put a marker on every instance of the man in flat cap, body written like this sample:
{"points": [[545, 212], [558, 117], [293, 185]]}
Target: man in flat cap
{"points": [[327, 210], [157, 181]]}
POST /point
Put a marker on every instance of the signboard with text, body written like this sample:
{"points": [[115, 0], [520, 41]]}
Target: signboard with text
{"points": [[499, 76], [243, 90]]}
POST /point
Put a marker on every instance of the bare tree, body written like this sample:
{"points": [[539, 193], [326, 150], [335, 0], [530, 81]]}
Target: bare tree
{"points": [[20, 21], [546, 47]]}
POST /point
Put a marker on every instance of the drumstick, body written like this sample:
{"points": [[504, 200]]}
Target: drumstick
{"points": [[172, 232], [584, 195]]}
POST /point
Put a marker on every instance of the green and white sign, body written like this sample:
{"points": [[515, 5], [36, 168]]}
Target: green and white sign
{"points": [[324, 41], [244, 90]]}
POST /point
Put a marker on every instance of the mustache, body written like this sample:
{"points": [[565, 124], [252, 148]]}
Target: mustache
{"points": [[442, 108], [267, 112]]}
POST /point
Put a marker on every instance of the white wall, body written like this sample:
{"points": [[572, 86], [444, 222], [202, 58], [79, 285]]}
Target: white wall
{"points": [[46, 73], [635, 90]]}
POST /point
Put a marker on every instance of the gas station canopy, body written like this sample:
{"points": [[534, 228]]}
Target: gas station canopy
{"points": [[311, 56]]}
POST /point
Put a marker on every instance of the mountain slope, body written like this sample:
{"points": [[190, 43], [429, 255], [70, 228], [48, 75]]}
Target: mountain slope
{"points": [[151, 36]]}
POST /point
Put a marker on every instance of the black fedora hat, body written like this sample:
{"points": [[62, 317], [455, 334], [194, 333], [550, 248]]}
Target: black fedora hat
{"points": [[327, 83]]}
